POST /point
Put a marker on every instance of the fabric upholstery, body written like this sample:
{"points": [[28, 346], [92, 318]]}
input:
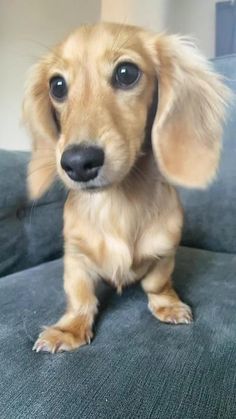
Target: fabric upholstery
{"points": [[210, 214], [135, 367], [30, 232]]}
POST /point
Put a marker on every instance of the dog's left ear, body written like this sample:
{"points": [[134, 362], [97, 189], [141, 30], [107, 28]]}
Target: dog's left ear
{"points": [[186, 134], [38, 117]]}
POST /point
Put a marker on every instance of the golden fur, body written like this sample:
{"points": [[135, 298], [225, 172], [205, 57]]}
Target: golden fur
{"points": [[129, 230]]}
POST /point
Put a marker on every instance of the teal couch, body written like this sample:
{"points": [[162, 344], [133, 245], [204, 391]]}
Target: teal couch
{"points": [[135, 367]]}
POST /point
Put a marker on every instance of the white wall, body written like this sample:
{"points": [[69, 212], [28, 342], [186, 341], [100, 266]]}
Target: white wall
{"points": [[27, 29], [188, 17], [152, 14], [196, 18]]}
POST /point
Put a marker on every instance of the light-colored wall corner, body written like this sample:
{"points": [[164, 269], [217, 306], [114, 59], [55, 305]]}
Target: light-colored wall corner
{"points": [[197, 19], [188, 17], [27, 29]]}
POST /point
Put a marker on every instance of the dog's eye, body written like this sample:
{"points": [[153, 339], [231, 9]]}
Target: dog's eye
{"points": [[58, 88], [126, 75]]}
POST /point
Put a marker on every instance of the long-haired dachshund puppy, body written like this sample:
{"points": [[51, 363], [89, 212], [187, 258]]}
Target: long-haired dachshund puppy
{"points": [[121, 114]]}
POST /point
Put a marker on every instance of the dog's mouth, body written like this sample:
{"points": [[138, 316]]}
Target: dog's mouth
{"points": [[94, 188]]}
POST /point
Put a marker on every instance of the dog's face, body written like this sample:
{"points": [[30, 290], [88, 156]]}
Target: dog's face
{"points": [[100, 85], [88, 101]]}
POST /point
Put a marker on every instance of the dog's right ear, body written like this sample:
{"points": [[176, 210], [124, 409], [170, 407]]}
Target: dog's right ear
{"points": [[192, 100], [39, 120]]}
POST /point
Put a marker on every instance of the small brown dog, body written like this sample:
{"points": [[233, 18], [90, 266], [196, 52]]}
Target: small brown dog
{"points": [[120, 114]]}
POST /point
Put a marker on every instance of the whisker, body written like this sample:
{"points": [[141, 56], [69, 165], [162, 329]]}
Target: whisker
{"points": [[43, 149], [117, 35], [45, 166], [31, 211], [48, 159], [47, 48], [127, 40], [139, 175], [61, 187]]}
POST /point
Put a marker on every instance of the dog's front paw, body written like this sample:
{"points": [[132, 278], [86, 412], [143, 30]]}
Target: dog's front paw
{"points": [[53, 340], [178, 313]]}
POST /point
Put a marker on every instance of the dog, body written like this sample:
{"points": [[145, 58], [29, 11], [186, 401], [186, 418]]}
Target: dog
{"points": [[121, 115]]}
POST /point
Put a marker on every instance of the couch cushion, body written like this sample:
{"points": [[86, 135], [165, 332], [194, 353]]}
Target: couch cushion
{"points": [[211, 214], [30, 232], [135, 367]]}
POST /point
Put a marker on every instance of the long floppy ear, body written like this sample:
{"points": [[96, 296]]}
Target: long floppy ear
{"points": [[40, 121], [186, 135]]}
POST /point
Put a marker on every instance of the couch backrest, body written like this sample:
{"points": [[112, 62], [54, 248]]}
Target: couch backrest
{"points": [[210, 215], [30, 232]]}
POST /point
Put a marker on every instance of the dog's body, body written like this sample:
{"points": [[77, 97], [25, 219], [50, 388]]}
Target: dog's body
{"points": [[91, 101], [123, 235]]}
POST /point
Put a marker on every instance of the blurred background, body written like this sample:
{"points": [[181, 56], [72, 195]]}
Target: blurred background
{"points": [[29, 27]]}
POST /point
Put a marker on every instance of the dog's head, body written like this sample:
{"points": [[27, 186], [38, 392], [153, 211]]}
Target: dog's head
{"points": [[88, 104]]}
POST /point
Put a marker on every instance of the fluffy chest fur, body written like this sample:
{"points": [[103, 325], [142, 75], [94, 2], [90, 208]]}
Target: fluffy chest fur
{"points": [[119, 236]]}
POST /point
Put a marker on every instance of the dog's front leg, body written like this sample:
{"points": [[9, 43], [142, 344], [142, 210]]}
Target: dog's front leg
{"points": [[74, 328], [163, 301]]}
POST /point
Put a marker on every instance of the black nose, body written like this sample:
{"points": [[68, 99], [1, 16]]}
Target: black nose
{"points": [[82, 163]]}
